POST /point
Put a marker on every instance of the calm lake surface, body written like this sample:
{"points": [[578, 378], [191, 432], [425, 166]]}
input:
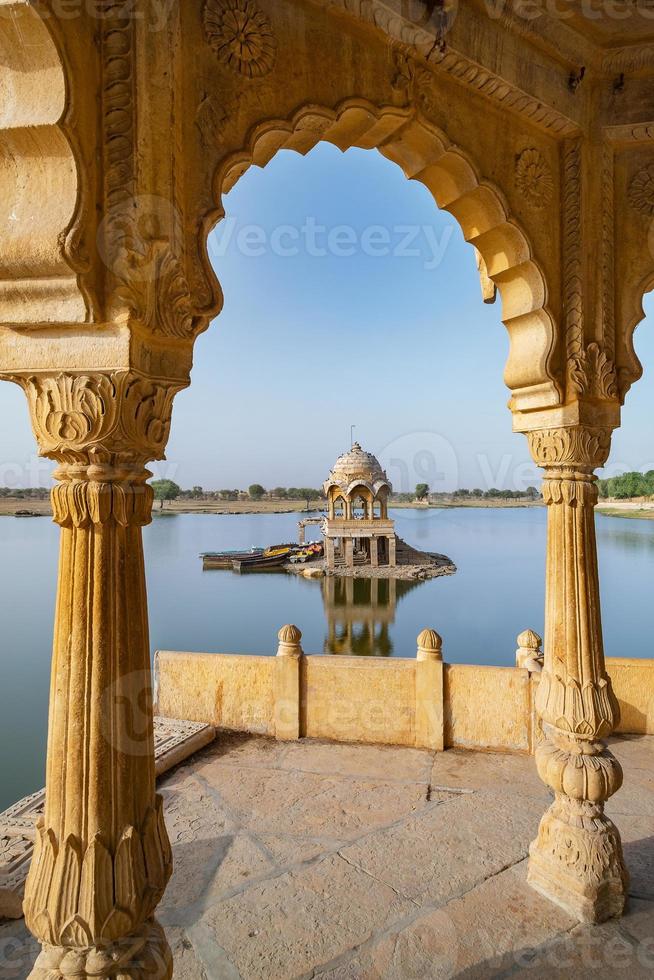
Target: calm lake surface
{"points": [[497, 592]]}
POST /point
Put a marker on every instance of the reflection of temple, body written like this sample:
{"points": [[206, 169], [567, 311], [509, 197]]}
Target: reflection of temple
{"points": [[360, 612], [357, 529]]}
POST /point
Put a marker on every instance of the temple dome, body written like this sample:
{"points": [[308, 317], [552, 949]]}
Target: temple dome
{"points": [[356, 466]]}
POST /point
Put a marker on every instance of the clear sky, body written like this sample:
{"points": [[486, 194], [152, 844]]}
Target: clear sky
{"points": [[349, 299]]}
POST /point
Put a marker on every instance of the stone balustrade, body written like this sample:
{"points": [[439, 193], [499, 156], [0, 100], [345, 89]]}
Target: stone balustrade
{"points": [[421, 701]]}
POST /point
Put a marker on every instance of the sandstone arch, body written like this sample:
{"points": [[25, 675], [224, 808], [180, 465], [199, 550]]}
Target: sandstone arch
{"points": [[38, 163], [426, 154]]}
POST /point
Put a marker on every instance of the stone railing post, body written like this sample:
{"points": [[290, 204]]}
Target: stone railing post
{"points": [[529, 655], [287, 684], [430, 714], [577, 858], [102, 857]]}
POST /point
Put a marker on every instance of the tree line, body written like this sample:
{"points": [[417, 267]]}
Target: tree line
{"points": [[627, 485], [165, 490]]}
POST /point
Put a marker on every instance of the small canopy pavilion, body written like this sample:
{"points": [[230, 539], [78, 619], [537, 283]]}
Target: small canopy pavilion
{"points": [[357, 529]]}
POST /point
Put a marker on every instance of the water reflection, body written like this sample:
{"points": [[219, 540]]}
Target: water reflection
{"points": [[360, 613]]}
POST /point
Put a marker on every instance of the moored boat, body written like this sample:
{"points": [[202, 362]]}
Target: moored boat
{"points": [[260, 563]]}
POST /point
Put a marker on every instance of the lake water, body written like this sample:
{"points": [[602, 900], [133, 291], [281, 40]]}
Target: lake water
{"points": [[496, 593]]}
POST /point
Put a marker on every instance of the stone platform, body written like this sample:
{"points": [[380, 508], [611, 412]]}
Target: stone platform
{"points": [[341, 862]]}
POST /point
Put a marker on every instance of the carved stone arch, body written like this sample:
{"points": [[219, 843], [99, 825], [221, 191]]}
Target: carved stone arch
{"points": [[632, 371], [42, 258], [424, 153]]}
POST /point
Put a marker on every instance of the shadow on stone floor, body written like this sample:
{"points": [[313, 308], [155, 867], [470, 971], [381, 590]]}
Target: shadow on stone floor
{"points": [[639, 857]]}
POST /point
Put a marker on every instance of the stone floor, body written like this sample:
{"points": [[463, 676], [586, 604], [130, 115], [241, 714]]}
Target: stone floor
{"points": [[338, 862]]}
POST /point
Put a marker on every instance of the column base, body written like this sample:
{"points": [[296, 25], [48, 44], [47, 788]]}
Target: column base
{"points": [[577, 862], [145, 956]]}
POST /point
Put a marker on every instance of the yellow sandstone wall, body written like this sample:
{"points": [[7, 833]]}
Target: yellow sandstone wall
{"points": [[352, 699], [357, 699], [229, 691], [633, 683], [487, 707]]}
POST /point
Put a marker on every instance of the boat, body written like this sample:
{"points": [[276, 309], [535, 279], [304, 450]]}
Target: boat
{"points": [[261, 563], [225, 559]]}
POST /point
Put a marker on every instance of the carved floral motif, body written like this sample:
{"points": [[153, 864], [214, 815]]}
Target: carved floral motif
{"points": [[103, 895], [641, 191], [533, 178], [577, 446], [593, 373], [95, 417], [241, 35]]}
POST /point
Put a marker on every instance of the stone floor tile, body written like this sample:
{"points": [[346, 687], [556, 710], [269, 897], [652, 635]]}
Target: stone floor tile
{"points": [[280, 929], [188, 966], [459, 769], [18, 950], [194, 812], [235, 749], [204, 870], [449, 848], [362, 761], [312, 805], [480, 935]]}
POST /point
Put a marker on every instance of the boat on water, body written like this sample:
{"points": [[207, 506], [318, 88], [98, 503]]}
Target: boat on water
{"points": [[261, 559], [225, 559], [261, 563]]}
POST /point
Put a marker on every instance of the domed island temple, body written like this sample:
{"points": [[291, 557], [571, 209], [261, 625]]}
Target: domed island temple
{"points": [[359, 536], [358, 530]]}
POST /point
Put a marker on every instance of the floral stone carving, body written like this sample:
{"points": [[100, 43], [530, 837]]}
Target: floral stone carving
{"points": [[533, 178], [241, 36], [641, 191]]}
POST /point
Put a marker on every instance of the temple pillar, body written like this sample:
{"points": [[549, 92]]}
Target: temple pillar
{"points": [[349, 552], [392, 558], [330, 549], [102, 857], [374, 552], [577, 858]]}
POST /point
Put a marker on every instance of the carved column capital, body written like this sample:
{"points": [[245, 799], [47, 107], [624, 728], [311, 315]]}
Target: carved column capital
{"points": [[118, 417], [580, 448], [102, 429]]}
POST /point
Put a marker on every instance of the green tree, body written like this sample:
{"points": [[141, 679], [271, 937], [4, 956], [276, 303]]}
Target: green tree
{"points": [[422, 490], [165, 490], [308, 494], [256, 491], [280, 493]]}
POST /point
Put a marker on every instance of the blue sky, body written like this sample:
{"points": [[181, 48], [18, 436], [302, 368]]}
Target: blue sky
{"points": [[349, 299]]}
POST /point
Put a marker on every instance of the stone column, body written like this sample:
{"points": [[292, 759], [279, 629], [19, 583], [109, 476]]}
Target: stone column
{"points": [[102, 857], [330, 552], [349, 552], [577, 858], [392, 559], [374, 552]]}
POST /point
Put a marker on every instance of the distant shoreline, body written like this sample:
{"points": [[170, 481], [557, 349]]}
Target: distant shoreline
{"points": [[9, 506], [635, 509]]}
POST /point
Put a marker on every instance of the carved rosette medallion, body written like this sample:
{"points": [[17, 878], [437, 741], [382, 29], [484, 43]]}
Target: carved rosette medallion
{"points": [[241, 36], [533, 178], [641, 191]]}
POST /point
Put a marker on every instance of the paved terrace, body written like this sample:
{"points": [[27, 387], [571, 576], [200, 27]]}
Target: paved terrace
{"points": [[336, 861]]}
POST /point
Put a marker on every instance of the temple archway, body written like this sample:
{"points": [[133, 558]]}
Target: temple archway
{"points": [[426, 154]]}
